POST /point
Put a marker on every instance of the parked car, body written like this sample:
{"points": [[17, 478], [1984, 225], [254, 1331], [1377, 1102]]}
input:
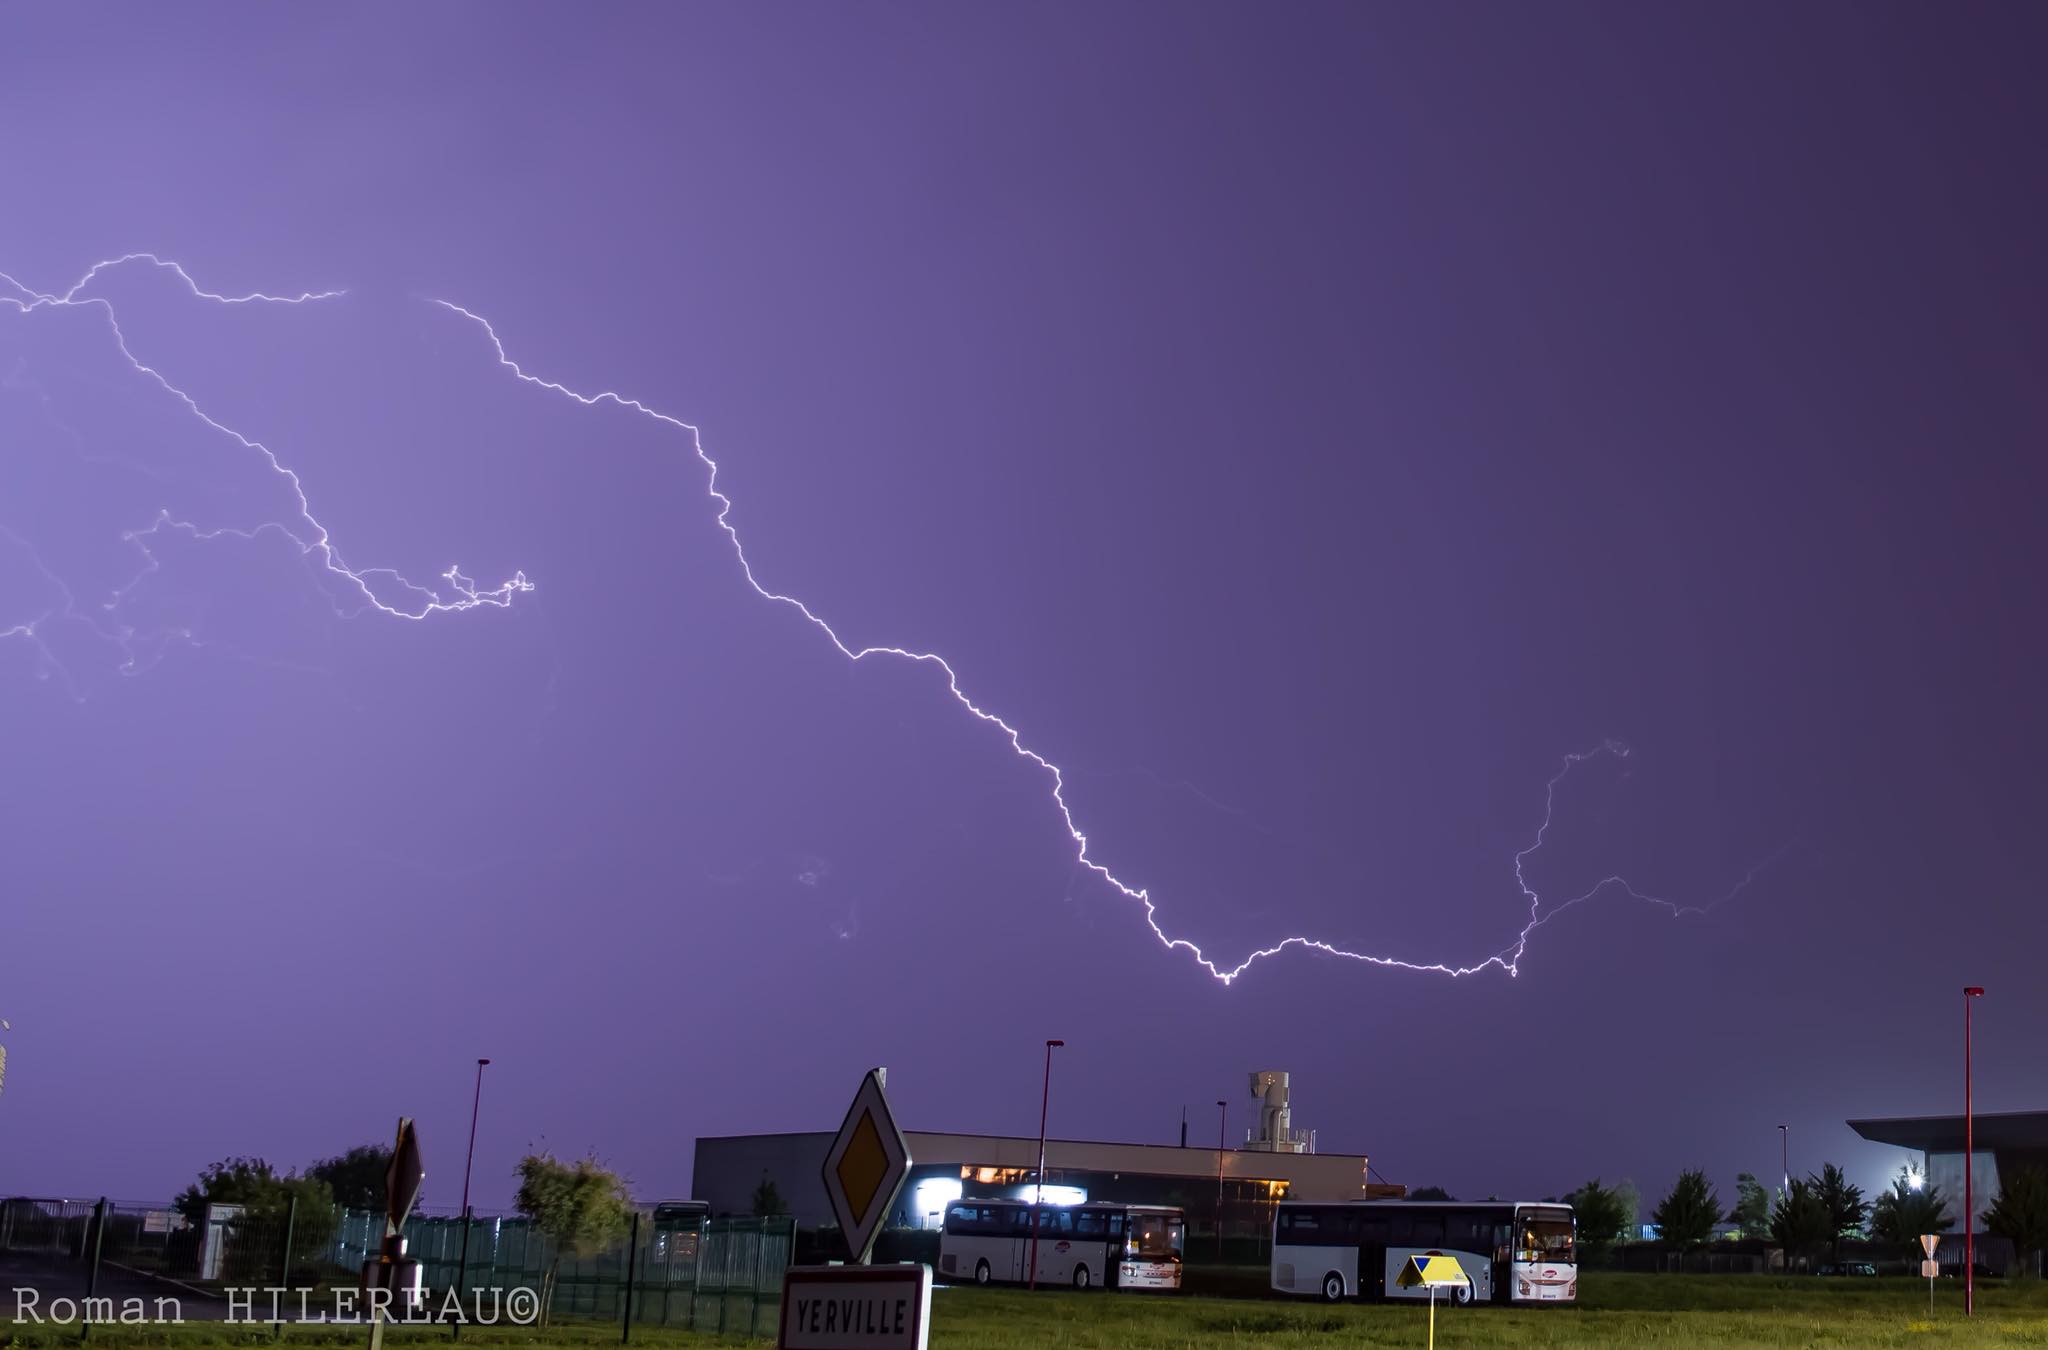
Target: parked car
{"points": [[1848, 1268]]}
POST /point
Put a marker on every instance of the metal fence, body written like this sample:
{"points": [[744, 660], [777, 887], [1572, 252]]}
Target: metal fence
{"points": [[724, 1276]]}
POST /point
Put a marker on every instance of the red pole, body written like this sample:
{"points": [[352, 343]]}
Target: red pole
{"points": [[475, 1103], [1038, 1191], [1222, 1120], [1969, 1164]]}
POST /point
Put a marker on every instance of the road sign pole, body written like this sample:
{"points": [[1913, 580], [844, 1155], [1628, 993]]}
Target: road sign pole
{"points": [[633, 1269], [92, 1273], [401, 1190], [284, 1262], [1432, 1317]]}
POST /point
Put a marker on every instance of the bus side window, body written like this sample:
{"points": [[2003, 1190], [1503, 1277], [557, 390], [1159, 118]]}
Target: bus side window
{"points": [[1401, 1230], [1088, 1223], [1116, 1225], [1427, 1230], [1373, 1232]]}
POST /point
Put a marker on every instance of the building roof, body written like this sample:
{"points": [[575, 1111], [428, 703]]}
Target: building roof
{"points": [[1032, 1140], [1994, 1131]]}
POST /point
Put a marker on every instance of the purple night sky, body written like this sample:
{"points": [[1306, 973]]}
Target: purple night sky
{"points": [[1307, 426]]}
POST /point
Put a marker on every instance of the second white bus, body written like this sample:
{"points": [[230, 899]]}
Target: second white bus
{"points": [[1084, 1246]]}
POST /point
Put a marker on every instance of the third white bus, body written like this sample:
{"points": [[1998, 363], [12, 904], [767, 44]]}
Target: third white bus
{"points": [[1511, 1252]]}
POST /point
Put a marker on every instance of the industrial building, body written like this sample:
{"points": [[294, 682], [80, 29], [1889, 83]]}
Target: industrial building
{"points": [[1238, 1185], [2005, 1142]]}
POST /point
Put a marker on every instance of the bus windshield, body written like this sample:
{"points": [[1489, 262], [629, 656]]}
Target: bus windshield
{"points": [[1156, 1237], [1543, 1237]]}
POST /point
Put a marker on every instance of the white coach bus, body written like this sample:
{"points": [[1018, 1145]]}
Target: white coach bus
{"points": [[1511, 1252], [1120, 1246]]}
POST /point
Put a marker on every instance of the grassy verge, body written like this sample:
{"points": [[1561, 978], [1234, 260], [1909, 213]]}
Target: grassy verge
{"points": [[1616, 1310]]}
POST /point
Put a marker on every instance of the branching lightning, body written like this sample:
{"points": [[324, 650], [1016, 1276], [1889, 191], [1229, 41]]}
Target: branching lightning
{"points": [[309, 536], [388, 593]]}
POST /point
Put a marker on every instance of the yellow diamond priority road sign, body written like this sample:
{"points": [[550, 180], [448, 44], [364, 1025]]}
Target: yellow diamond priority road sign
{"points": [[865, 1168], [1430, 1270]]}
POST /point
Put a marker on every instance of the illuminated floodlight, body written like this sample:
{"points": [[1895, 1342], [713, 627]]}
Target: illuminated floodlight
{"points": [[1055, 1195], [931, 1196]]}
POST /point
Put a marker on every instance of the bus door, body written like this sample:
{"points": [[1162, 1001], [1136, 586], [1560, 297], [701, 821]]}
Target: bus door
{"points": [[1017, 1243], [1372, 1255]]}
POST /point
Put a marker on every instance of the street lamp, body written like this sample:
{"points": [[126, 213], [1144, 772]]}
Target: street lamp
{"points": [[1785, 1158], [475, 1104], [1038, 1191], [1971, 992], [1222, 1118]]}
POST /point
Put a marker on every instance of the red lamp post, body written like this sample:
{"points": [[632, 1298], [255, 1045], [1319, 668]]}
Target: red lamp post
{"points": [[1038, 1191], [1971, 993], [1222, 1121]]}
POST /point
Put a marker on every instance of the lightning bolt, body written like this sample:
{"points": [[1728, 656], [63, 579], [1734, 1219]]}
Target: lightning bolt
{"points": [[416, 602]]}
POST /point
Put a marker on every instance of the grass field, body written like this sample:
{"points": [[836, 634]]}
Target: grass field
{"points": [[1616, 1310]]}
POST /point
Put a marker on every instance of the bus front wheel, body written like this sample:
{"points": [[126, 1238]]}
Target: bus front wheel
{"points": [[981, 1272], [1333, 1287], [1080, 1277], [1464, 1293]]}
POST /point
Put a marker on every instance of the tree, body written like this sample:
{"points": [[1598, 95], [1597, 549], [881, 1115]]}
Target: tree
{"points": [[1800, 1223], [1600, 1217], [2021, 1214], [1901, 1214], [1752, 1212], [768, 1200], [1430, 1193], [1631, 1209], [254, 1185], [356, 1177], [1685, 1217], [583, 1207], [265, 1199], [1844, 1204]]}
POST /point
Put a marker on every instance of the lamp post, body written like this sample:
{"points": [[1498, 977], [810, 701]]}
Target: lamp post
{"points": [[1971, 992], [1038, 1191], [1222, 1119], [462, 1270], [1785, 1158]]}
